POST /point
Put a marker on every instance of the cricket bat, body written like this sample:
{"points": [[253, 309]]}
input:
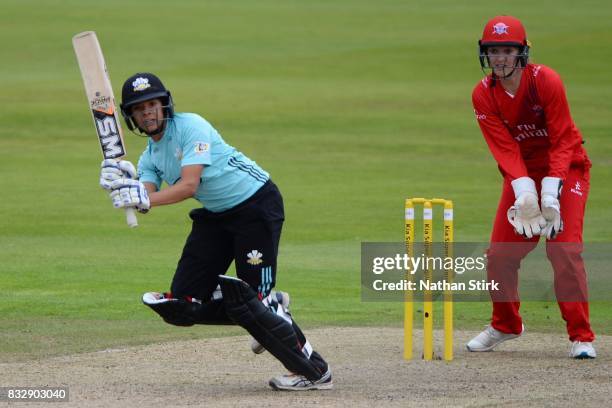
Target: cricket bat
{"points": [[101, 101]]}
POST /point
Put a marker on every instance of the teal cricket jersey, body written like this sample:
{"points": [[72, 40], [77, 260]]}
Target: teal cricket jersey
{"points": [[228, 178]]}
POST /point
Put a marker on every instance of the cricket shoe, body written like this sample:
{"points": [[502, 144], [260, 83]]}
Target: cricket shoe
{"points": [[274, 300], [296, 382], [582, 350], [489, 338]]}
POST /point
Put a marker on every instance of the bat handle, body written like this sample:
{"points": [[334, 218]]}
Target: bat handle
{"points": [[130, 216]]}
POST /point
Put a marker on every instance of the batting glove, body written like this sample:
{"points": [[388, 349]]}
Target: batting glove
{"points": [[525, 215], [131, 194], [551, 209], [114, 173]]}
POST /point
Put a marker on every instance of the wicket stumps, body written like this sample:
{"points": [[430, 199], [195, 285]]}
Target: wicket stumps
{"points": [[428, 239]]}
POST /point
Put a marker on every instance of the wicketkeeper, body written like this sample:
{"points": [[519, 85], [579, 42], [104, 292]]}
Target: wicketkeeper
{"points": [[525, 119], [240, 220]]}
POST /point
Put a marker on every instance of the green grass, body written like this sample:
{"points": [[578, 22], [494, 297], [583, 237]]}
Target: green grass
{"points": [[351, 105]]}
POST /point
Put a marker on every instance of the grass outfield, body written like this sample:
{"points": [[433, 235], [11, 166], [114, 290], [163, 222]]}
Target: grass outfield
{"points": [[352, 106]]}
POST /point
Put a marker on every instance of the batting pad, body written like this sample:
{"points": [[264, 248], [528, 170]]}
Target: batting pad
{"points": [[273, 332]]}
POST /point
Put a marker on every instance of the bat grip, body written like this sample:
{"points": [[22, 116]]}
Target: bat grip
{"points": [[130, 216]]}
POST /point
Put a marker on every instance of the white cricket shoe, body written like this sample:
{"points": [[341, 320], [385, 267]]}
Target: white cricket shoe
{"points": [[296, 382], [582, 350], [489, 338], [272, 301]]}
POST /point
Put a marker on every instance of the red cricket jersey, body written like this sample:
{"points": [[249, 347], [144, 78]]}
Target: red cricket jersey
{"points": [[532, 132]]}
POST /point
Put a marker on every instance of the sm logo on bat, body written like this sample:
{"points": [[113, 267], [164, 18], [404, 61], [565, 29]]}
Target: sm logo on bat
{"points": [[108, 132]]}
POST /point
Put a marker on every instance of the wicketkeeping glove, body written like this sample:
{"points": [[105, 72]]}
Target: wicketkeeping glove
{"points": [[525, 215], [114, 173], [551, 209], [132, 193]]}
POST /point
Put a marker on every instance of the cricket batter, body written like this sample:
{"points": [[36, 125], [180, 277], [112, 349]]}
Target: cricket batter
{"points": [[240, 220], [523, 113]]}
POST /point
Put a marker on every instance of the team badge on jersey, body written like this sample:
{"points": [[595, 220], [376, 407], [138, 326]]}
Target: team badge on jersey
{"points": [[201, 147], [577, 189], [254, 257], [140, 84], [538, 110], [500, 28]]}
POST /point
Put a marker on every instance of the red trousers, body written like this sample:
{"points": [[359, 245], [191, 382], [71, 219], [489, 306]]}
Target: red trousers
{"points": [[566, 259]]}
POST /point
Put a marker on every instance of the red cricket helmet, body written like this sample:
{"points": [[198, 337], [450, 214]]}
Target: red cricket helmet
{"points": [[504, 31]]}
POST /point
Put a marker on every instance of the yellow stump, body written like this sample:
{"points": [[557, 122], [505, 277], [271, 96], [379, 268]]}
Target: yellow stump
{"points": [[408, 297], [428, 352], [448, 276]]}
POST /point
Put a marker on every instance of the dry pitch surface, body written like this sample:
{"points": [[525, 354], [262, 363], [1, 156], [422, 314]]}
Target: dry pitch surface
{"points": [[367, 365]]}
